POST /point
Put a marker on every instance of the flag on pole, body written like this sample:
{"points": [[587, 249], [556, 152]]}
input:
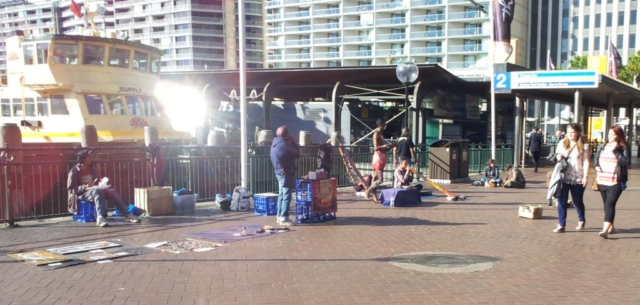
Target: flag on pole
{"points": [[75, 9], [615, 60], [550, 65]]}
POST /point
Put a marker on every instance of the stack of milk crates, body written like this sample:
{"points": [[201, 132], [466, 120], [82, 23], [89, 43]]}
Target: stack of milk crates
{"points": [[316, 200]]}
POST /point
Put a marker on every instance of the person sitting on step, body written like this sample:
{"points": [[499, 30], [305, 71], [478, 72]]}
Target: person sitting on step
{"points": [[81, 186]]}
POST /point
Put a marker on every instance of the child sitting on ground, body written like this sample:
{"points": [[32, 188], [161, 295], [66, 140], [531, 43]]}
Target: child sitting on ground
{"points": [[515, 178], [403, 175]]}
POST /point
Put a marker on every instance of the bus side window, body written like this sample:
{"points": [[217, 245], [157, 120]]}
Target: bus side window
{"points": [[5, 106], [42, 106], [43, 53], [30, 107], [17, 106]]}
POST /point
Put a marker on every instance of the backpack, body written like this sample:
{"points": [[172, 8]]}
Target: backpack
{"points": [[240, 199]]}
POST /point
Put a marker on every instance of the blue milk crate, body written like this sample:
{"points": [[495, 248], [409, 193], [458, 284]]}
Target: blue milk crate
{"points": [[265, 204], [86, 212], [304, 191], [304, 215]]}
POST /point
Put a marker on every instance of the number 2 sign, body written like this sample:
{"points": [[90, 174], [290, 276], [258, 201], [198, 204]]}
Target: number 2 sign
{"points": [[502, 81]]}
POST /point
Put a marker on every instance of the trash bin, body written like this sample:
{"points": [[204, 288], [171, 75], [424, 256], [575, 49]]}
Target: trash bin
{"points": [[449, 160]]}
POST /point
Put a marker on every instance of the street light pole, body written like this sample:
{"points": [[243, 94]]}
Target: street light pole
{"points": [[491, 74], [407, 73], [244, 153]]}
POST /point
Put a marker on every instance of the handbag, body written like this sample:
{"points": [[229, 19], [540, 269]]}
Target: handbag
{"points": [[564, 161], [594, 185]]}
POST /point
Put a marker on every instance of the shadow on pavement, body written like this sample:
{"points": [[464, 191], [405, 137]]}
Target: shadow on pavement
{"points": [[400, 221]]}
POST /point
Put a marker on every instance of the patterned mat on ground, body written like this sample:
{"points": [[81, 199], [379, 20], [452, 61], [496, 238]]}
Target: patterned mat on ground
{"points": [[236, 233], [184, 245]]}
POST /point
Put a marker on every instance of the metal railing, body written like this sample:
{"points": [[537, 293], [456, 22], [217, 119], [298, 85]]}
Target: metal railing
{"points": [[33, 181]]}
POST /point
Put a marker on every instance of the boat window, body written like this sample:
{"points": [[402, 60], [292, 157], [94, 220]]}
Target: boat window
{"points": [[119, 57], [135, 108], [42, 106], [149, 105], [115, 105], [58, 105], [28, 54], [17, 106], [43, 53], [155, 64], [6, 107], [65, 53], [140, 61], [92, 55], [95, 105], [30, 106]]}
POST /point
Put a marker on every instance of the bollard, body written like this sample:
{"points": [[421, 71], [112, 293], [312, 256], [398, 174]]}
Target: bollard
{"points": [[150, 135], [88, 136], [10, 137]]}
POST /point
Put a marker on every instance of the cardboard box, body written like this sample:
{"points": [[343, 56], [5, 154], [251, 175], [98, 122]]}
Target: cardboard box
{"points": [[531, 212], [154, 200]]}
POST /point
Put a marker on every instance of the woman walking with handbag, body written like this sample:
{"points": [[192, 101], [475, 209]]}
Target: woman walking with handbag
{"points": [[611, 170], [574, 152]]}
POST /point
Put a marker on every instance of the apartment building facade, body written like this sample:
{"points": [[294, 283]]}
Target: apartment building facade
{"points": [[331, 33]]}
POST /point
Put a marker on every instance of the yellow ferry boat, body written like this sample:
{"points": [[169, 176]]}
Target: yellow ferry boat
{"points": [[58, 83]]}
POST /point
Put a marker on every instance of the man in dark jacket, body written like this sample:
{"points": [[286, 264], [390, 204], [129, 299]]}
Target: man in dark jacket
{"points": [[535, 146], [284, 152], [81, 186]]}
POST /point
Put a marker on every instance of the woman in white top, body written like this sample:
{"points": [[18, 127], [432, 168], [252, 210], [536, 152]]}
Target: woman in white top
{"points": [[576, 149]]}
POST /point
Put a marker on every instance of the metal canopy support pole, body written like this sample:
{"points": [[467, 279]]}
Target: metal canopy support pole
{"points": [[491, 75], [519, 112], [630, 115], [608, 119], [244, 158], [546, 117], [558, 116], [577, 106]]}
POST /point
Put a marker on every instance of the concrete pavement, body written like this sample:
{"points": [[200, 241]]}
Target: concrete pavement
{"points": [[347, 261]]}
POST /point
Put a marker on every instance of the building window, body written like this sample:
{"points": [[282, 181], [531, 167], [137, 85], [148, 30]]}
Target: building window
{"points": [[5, 107], [334, 64], [574, 20], [632, 41], [586, 21], [119, 57], [92, 55], [596, 43], [585, 44], [619, 41], [95, 105], [363, 63], [28, 54], [633, 17], [58, 105], [116, 105], [140, 61], [42, 106], [598, 17], [43, 52], [609, 19], [620, 18], [17, 106], [305, 65]]}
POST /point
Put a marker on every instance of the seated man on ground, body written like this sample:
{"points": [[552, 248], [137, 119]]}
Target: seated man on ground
{"points": [[491, 174], [515, 178], [81, 186], [403, 176]]}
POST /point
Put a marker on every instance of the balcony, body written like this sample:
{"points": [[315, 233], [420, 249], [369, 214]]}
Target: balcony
{"points": [[274, 16], [466, 15], [361, 53], [205, 7], [210, 20], [274, 44], [466, 65], [153, 22], [352, 39], [420, 3], [391, 21], [358, 9], [274, 30], [392, 36], [297, 56], [301, 42], [357, 24], [326, 26], [467, 32], [389, 6], [274, 3], [427, 34], [255, 58], [330, 11], [122, 4], [274, 57], [330, 40], [301, 28], [468, 48], [206, 44], [289, 2], [426, 50], [428, 18], [297, 15], [208, 32], [326, 55], [390, 52]]}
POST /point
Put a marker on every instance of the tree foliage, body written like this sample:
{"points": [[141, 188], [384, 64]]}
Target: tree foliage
{"points": [[628, 72], [578, 63]]}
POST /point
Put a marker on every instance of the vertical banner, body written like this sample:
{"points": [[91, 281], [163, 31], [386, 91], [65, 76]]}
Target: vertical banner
{"points": [[502, 17]]}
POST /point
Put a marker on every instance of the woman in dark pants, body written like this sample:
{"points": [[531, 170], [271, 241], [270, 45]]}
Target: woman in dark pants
{"points": [[611, 168]]}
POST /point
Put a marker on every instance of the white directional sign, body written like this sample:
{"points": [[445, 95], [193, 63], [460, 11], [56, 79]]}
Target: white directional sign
{"points": [[546, 79]]}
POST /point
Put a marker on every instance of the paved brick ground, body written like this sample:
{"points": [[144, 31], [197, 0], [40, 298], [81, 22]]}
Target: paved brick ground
{"points": [[346, 261]]}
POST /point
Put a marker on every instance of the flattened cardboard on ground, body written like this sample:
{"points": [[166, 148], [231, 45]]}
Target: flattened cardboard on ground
{"points": [[39, 257], [154, 200], [83, 247]]}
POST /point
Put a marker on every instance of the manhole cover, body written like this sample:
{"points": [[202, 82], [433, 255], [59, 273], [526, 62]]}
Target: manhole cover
{"points": [[438, 262]]}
